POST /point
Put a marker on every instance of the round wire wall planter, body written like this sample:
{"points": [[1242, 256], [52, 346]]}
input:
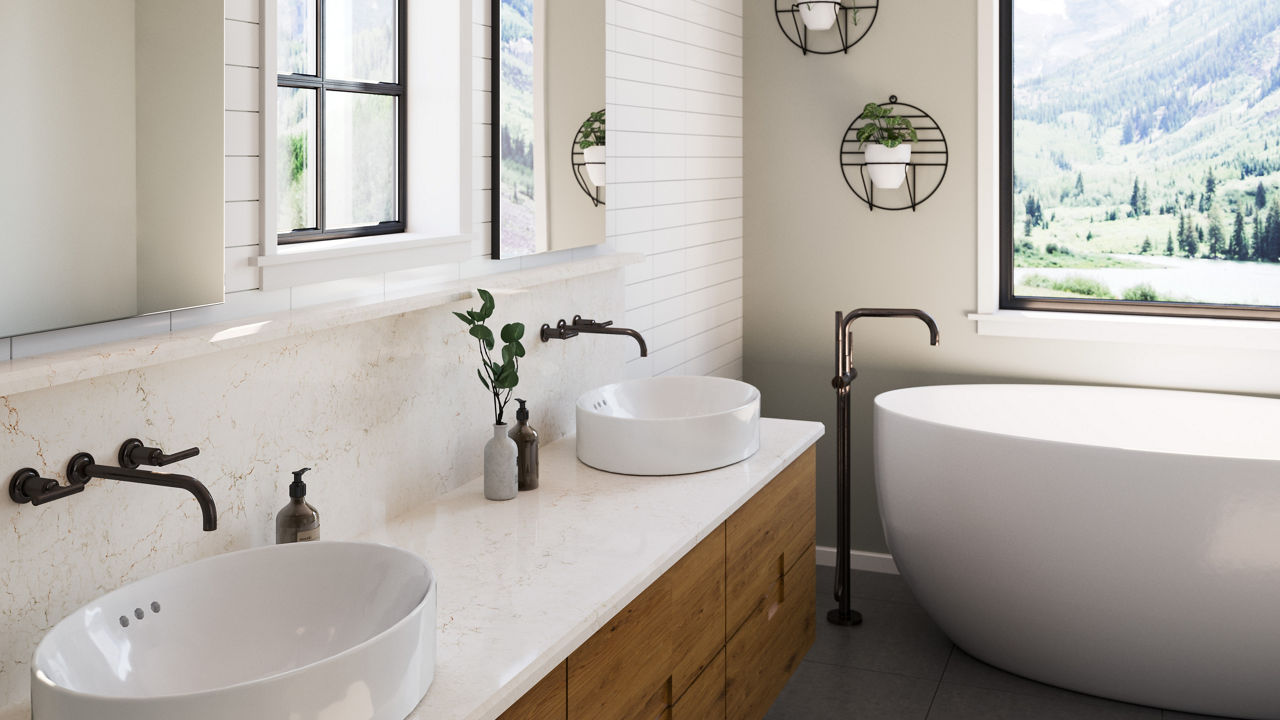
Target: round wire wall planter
{"points": [[578, 157], [853, 22], [929, 158]]}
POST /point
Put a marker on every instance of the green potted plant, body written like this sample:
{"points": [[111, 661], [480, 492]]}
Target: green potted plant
{"points": [[885, 137], [500, 379], [592, 146]]}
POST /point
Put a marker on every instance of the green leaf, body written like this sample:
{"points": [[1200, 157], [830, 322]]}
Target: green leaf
{"points": [[507, 353], [486, 308], [517, 348], [483, 381], [512, 332], [475, 316], [506, 379], [482, 333], [464, 318], [496, 368]]}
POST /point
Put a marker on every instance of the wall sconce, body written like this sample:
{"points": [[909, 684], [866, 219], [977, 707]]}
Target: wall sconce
{"points": [[851, 21]]}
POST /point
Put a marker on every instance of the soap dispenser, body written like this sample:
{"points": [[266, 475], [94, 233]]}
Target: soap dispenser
{"points": [[526, 440], [298, 521]]}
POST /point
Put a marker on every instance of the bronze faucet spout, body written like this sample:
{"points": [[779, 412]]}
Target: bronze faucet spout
{"points": [[565, 330], [82, 469]]}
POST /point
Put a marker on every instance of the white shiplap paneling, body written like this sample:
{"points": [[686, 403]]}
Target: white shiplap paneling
{"points": [[674, 89]]}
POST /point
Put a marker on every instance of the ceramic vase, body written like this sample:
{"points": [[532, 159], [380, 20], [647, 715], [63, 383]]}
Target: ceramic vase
{"points": [[888, 166], [500, 465], [818, 16], [594, 158]]}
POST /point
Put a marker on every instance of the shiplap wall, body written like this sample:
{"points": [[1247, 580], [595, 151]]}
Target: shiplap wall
{"points": [[674, 95], [674, 92]]}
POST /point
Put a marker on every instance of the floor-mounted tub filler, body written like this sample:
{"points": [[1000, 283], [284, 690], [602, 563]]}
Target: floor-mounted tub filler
{"points": [[1114, 541]]}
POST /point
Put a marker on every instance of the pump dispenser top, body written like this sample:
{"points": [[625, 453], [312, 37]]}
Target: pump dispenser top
{"points": [[526, 439]]}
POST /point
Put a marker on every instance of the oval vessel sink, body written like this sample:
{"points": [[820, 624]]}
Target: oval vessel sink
{"points": [[309, 631], [668, 425]]}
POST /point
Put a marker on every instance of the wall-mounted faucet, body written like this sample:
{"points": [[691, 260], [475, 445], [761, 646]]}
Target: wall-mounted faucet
{"points": [[565, 330], [27, 486]]}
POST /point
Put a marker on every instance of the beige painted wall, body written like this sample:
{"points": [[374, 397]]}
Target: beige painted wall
{"points": [[811, 249]]}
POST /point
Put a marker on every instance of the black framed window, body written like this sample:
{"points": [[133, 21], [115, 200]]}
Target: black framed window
{"points": [[340, 116], [1140, 158]]}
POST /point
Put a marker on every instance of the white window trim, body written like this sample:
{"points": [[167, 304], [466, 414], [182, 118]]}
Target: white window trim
{"points": [[289, 266], [992, 320]]}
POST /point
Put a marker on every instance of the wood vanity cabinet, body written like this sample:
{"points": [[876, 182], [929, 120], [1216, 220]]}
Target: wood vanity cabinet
{"points": [[716, 637]]}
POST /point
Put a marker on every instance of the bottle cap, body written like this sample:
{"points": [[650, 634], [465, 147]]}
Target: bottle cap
{"points": [[298, 488], [522, 414]]}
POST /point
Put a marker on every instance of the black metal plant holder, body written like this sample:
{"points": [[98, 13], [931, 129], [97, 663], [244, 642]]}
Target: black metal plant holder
{"points": [[929, 152], [843, 383], [578, 158], [853, 22]]}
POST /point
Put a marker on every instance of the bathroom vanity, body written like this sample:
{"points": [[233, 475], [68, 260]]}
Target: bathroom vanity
{"points": [[609, 596]]}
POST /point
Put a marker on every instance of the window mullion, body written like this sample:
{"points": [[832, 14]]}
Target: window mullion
{"points": [[321, 218]]}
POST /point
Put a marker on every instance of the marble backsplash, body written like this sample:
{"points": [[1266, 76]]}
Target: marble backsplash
{"points": [[388, 413]]}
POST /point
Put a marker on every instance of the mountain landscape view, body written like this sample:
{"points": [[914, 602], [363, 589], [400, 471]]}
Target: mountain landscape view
{"points": [[1147, 150]]}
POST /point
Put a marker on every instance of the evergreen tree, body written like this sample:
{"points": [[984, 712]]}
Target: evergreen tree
{"points": [[1217, 238], [1239, 248], [1146, 246], [1259, 238], [1135, 200], [1080, 184], [1168, 248], [1145, 200], [1260, 196], [1272, 233]]}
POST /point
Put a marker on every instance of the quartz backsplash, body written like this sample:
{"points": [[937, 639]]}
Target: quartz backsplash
{"points": [[388, 413]]}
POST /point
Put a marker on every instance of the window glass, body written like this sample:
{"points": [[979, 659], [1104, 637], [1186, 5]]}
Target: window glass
{"points": [[295, 159], [360, 40], [1145, 152], [360, 159], [296, 37]]}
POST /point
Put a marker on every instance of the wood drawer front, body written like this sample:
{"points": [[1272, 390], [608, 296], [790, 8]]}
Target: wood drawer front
{"points": [[648, 655], [768, 648], [623, 672], [545, 701], [705, 699], [697, 610], [767, 537]]}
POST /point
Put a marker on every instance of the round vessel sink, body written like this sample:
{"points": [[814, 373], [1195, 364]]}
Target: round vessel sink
{"points": [[668, 425], [314, 631]]}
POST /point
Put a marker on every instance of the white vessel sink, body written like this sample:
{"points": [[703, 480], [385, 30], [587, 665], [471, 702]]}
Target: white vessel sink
{"points": [[310, 631], [668, 425]]}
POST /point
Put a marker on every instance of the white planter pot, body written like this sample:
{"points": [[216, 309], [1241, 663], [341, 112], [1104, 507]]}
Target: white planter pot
{"points": [[500, 481], [818, 16], [594, 157], [888, 166]]}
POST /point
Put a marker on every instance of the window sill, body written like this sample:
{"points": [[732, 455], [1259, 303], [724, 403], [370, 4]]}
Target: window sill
{"points": [[303, 264], [1096, 327]]}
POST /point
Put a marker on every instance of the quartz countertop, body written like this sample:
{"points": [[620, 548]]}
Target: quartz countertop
{"points": [[523, 583]]}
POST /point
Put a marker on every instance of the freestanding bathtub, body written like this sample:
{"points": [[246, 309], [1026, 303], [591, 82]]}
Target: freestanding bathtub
{"points": [[1114, 541]]}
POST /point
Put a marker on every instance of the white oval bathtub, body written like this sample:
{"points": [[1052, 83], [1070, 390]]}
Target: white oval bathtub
{"points": [[1115, 541]]}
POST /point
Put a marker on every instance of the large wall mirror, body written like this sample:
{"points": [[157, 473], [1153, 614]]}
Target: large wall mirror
{"points": [[111, 184], [548, 82]]}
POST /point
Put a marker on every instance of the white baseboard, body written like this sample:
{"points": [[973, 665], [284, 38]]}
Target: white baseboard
{"points": [[859, 560]]}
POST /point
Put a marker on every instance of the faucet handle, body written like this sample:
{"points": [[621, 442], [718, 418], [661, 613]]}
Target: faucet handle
{"points": [[134, 454], [28, 487], [579, 320]]}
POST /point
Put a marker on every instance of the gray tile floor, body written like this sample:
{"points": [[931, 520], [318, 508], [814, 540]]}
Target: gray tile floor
{"points": [[898, 665]]}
